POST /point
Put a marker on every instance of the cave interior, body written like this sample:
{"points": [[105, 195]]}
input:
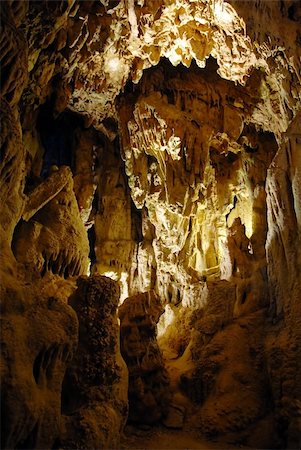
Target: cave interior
{"points": [[150, 224]]}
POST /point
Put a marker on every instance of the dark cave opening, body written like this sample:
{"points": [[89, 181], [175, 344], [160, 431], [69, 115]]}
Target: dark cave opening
{"points": [[57, 137]]}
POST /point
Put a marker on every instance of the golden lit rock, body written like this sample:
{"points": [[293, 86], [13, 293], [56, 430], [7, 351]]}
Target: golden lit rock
{"points": [[156, 146]]}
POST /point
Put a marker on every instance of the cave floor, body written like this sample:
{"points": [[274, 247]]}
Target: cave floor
{"points": [[159, 438]]}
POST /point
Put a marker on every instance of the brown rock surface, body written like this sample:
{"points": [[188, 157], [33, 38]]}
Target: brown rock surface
{"points": [[38, 338], [13, 52], [180, 126], [94, 397], [12, 173], [54, 239], [284, 270], [148, 382]]}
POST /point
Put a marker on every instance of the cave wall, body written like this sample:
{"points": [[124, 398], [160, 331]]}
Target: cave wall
{"points": [[283, 256], [195, 164], [46, 199], [179, 126]]}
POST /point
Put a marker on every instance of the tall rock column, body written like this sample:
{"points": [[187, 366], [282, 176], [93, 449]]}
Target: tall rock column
{"points": [[94, 398]]}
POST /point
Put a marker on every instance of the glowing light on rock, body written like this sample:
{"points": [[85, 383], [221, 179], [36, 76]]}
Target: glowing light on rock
{"points": [[124, 289], [222, 13], [111, 274], [166, 319], [113, 64]]}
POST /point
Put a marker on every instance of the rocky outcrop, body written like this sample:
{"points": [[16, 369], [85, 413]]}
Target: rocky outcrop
{"points": [[115, 228], [219, 351], [14, 52], [40, 220], [230, 382], [12, 173], [38, 339], [54, 239], [149, 393], [94, 397], [190, 158]]}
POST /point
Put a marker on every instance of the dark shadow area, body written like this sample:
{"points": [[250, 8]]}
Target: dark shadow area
{"points": [[57, 136]]}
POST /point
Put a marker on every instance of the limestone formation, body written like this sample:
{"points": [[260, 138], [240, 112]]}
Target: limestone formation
{"points": [[12, 173], [188, 173], [156, 144], [13, 53], [94, 396], [148, 381], [45, 192], [54, 240], [38, 338], [284, 270]]}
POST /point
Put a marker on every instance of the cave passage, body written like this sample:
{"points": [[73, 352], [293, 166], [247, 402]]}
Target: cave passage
{"points": [[150, 217]]}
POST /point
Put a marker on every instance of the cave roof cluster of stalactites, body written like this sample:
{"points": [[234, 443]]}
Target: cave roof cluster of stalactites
{"points": [[150, 168]]}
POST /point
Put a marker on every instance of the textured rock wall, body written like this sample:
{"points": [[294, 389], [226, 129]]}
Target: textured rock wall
{"points": [[94, 398], [38, 338], [193, 165], [149, 393], [284, 269], [114, 225], [44, 248], [54, 239], [200, 96]]}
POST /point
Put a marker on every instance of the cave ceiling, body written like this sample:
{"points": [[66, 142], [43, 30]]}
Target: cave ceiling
{"points": [[103, 45], [195, 96]]}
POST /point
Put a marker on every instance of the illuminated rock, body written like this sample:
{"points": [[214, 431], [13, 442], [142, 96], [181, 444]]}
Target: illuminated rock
{"points": [[45, 192], [38, 338], [54, 239], [183, 145]]}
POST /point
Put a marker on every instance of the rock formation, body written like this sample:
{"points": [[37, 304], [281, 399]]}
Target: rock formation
{"points": [[38, 339], [149, 393], [53, 238], [94, 395], [155, 145]]}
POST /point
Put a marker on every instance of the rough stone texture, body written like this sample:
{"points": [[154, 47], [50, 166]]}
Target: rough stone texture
{"points": [[190, 169], [12, 173], [38, 338], [45, 192], [191, 102], [148, 382], [39, 330], [117, 229], [54, 239], [94, 398], [13, 52], [175, 417], [86, 177], [284, 270], [105, 49], [219, 356], [231, 379]]}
